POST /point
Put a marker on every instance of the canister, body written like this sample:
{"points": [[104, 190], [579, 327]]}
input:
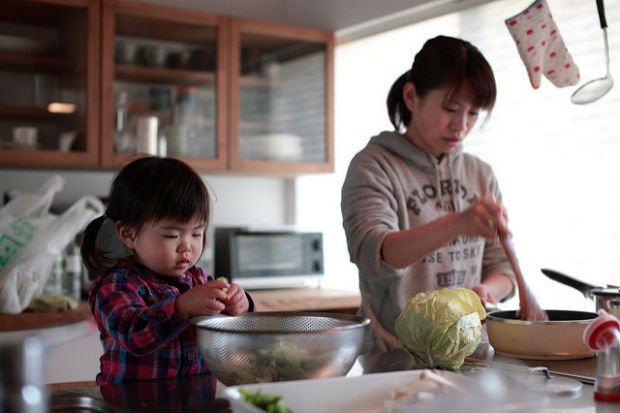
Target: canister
{"points": [[147, 139]]}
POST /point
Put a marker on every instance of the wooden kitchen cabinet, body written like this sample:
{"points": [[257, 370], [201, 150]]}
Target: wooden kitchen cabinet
{"points": [[221, 93], [262, 91], [281, 98], [164, 80], [49, 83]]}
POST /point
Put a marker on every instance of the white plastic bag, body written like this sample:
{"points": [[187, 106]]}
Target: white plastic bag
{"points": [[32, 239]]}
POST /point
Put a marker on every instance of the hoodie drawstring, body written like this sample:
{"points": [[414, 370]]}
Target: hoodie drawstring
{"points": [[454, 197]]}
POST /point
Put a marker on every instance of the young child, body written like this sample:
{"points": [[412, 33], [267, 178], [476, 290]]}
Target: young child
{"points": [[158, 208]]}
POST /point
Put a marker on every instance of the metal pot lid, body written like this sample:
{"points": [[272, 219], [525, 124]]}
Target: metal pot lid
{"points": [[607, 292]]}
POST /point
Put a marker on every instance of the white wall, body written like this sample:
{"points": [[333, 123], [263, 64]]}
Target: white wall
{"points": [[268, 198]]}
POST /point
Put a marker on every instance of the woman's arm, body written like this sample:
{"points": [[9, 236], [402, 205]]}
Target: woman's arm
{"points": [[486, 218]]}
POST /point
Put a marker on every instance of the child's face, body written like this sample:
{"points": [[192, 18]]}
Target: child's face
{"points": [[169, 247]]}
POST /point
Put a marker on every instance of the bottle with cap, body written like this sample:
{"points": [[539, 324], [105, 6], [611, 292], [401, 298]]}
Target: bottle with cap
{"points": [[72, 277], [187, 122], [603, 336]]}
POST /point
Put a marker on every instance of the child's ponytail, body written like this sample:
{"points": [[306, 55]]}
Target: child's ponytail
{"points": [[93, 257]]}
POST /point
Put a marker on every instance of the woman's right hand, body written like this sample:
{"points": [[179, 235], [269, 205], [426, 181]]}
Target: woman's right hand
{"points": [[204, 299], [486, 218]]}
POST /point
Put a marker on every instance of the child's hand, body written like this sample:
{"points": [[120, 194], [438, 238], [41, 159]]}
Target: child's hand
{"points": [[236, 301], [205, 299]]}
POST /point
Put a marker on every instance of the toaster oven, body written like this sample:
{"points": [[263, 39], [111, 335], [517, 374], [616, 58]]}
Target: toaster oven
{"points": [[268, 258]]}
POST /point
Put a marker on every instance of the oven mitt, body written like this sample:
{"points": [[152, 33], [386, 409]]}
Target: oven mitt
{"points": [[541, 46]]}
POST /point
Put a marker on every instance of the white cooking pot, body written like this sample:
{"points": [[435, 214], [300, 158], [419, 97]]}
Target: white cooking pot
{"points": [[559, 338]]}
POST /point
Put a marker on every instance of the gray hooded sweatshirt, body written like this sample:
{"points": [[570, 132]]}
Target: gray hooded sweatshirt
{"points": [[392, 185]]}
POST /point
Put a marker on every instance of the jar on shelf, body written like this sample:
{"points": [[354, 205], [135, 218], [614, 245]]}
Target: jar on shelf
{"points": [[124, 141], [160, 102], [185, 131], [72, 277], [54, 281]]}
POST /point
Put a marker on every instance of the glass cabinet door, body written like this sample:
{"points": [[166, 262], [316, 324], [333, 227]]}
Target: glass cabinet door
{"points": [[164, 71], [282, 88], [49, 74]]}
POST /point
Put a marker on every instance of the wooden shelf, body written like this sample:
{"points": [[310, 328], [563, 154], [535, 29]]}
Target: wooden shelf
{"points": [[248, 125], [33, 112], [147, 74], [257, 81], [35, 63]]}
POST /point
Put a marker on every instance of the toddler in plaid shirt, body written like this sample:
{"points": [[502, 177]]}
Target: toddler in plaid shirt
{"points": [[158, 211]]}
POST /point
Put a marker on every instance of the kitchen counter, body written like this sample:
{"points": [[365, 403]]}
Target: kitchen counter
{"points": [[306, 299], [29, 321], [292, 299], [199, 394]]}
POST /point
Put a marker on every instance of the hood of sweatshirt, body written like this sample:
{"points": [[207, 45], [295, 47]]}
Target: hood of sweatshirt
{"points": [[420, 160]]}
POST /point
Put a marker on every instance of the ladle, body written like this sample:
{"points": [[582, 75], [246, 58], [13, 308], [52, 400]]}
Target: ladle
{"points": [[596, 88], [529, 309]]}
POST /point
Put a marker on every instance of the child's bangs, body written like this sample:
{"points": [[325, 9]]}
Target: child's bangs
{"points": [[183, 204]]}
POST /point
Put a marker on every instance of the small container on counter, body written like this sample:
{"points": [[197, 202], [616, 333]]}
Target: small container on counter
{"points": [[603, 336]]}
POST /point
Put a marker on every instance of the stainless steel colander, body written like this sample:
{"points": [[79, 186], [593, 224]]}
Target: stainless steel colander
{"points": [[276, 346]]}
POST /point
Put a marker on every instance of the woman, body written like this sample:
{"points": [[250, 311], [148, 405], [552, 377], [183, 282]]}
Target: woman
{"points": [[419, 213]]}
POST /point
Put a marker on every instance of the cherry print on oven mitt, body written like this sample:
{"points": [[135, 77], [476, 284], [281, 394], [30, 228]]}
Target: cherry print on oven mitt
{"points": [[541, 46]]}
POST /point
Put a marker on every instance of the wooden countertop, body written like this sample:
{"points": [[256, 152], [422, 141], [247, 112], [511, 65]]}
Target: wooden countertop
{"points": [[306, 299], [27, 321], [293, 299]]}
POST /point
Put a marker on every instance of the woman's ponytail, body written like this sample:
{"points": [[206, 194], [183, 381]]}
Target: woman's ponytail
{"points": [[399, 113]]}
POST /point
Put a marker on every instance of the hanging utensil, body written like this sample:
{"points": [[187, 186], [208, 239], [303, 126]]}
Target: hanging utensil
{"points": [[529, 309], [596, 88]]}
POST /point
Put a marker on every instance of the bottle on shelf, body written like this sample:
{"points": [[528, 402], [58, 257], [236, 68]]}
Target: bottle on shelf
{"points": [[54, 281], [185, 131], [603, 336], [72, 276], [124, 141]]}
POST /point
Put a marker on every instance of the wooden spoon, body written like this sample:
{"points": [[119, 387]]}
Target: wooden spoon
{"points": [[529, 309]]}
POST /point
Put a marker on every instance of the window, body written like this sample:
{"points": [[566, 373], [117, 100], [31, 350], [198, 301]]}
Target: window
{"points": [[558, 164]]}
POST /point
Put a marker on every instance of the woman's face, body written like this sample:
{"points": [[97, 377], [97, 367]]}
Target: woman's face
{"points": [[167, 247], [439, 125]]}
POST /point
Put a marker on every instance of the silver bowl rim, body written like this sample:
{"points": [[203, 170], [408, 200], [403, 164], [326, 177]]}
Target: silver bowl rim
{"points": [[357, 322]]}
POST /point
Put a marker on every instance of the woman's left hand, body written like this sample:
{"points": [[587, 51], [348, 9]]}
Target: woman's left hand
{"points": [[484, 294], [236, 301]]}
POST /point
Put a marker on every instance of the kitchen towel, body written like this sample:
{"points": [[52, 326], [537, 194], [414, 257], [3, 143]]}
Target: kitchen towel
{"points": [[541, 46]]}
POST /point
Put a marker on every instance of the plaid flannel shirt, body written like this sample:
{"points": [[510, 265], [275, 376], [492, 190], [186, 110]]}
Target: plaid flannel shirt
{"points": [[142, 336]]}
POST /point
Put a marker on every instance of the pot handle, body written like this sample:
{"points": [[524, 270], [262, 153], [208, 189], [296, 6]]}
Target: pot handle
{"points": [[584, 288]]}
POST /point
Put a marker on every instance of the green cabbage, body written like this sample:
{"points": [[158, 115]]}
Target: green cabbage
{"points": [[440, 328]]}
